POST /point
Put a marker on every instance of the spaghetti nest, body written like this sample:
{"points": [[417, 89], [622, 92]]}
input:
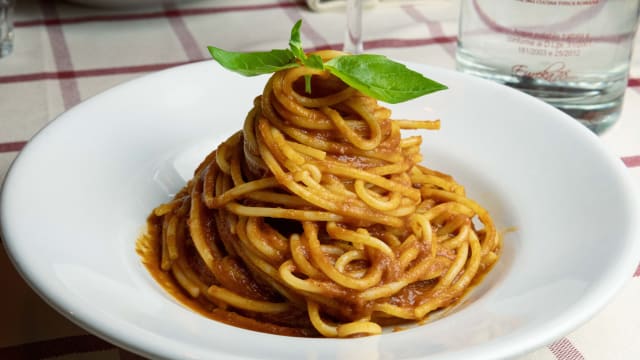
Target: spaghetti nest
{"points": [[317, 220]]}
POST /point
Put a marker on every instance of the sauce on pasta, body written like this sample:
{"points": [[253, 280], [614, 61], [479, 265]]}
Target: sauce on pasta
{"points": [[317, 219]]}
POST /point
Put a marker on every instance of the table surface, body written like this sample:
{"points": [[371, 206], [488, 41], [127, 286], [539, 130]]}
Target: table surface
{"points": [[65, 53]]}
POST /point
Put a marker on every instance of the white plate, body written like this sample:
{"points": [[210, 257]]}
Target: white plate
{"points": [[76, 199]]}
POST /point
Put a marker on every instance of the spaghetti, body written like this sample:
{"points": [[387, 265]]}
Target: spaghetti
{"points": [[317, 219]]}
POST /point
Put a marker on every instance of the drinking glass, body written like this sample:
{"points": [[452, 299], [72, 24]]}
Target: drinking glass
{"points": [[353, 35], [6, 27], [572, 54]]}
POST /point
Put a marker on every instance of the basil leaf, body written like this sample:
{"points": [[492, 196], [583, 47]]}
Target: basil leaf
{"points": [[295, 44], [381, 78], [373, 75], [254, 63], [314, 61]]}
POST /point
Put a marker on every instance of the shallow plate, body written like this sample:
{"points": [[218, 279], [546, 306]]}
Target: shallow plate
{"points": [[76, 199]]}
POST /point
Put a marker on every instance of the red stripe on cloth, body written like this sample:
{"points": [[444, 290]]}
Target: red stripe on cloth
{"points": [[391, 43], [325, 47], [631, 161], [56, 347], [89, 72], [637, 273], [12, 146], [435, 28], [62, 55], [563, 349], [188, 42], [399, 43], [633, 82], [50, 21]]}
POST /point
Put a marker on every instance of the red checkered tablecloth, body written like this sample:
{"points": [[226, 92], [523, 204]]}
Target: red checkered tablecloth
{"points": [[65, 53]]}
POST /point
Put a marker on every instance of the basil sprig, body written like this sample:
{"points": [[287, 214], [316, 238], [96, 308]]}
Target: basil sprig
{"points": [[295, 44], [373, 75], [254, 63]]}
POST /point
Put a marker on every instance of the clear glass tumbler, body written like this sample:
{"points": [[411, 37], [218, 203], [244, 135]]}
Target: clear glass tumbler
{"points": [[573, 54], [353, 35], [6, 27]]}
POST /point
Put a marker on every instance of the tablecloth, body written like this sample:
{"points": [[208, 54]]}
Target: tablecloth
{"points": [[66, 52]]}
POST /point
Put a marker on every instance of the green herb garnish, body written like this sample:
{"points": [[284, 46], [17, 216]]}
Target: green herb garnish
{"points": [[373, 75]]}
